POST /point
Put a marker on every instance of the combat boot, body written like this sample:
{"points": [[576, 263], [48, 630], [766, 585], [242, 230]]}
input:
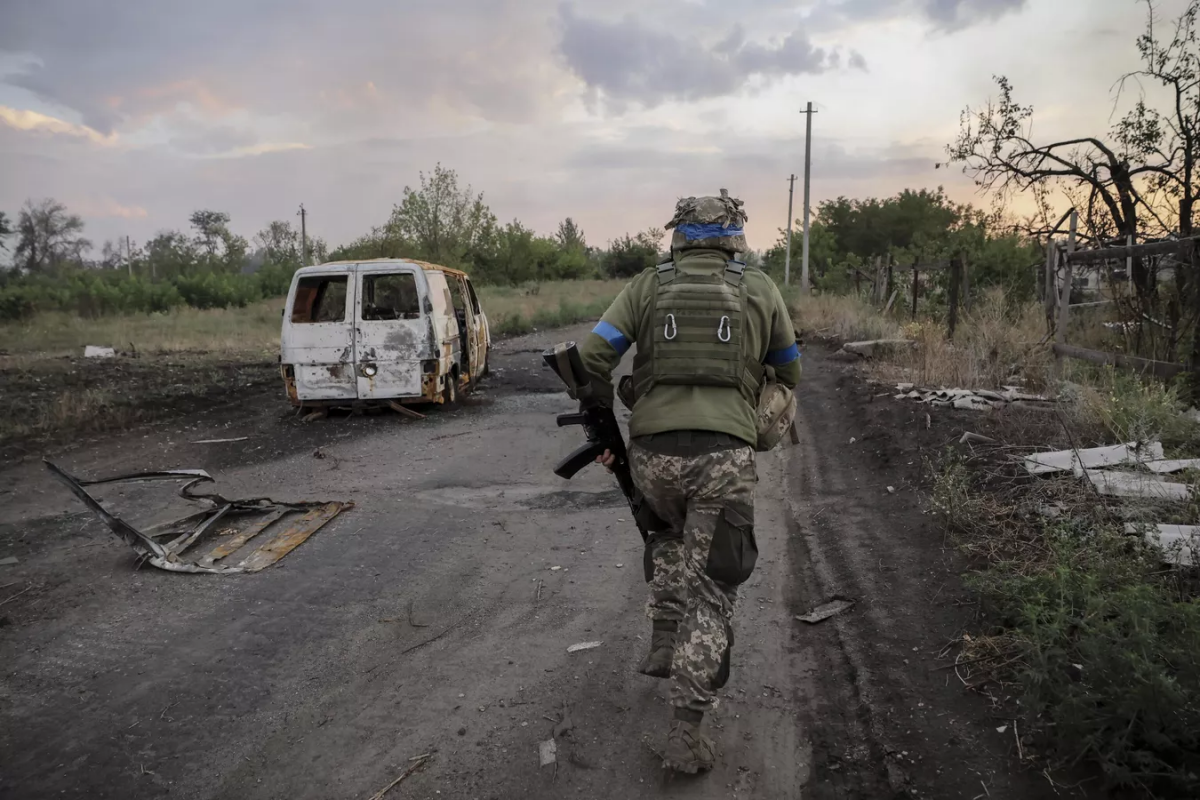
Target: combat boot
{"points": [[657, 663], [688, 750]]}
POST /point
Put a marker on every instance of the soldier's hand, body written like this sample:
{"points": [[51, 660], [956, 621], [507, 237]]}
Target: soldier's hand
{"points": [[608, 459]]}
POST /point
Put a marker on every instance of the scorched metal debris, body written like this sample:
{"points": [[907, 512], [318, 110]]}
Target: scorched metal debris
{"points": [[255, 533]]}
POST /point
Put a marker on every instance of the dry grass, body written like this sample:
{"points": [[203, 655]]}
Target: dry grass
{"points": [[254, 330], [842, 317], [994, 346], [520, 309]]}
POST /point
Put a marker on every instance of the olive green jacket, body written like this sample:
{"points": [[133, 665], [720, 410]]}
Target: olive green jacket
{"points": [[672, 407]]}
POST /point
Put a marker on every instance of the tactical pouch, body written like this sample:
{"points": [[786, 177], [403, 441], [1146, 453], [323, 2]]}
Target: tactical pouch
{"points": [[733, 552]]}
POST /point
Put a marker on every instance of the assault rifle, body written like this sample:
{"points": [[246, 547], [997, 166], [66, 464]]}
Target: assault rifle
{"points": [[600, 426]]}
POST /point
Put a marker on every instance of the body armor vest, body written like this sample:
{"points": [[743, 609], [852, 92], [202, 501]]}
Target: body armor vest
{"points": [[698, 336]]}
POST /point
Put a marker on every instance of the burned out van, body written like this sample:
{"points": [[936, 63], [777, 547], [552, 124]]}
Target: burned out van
{"points": [[370, 332]]}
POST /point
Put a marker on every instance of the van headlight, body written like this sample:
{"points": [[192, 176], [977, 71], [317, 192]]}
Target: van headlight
{"points": [[369, 370]]}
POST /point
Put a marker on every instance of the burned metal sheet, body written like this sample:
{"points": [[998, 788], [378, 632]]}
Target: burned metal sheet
{"points": [[227, 536]]}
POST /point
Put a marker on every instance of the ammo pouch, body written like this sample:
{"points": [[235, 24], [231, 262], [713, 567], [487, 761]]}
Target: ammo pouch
{"points": [[775, 413], [733, 552]]}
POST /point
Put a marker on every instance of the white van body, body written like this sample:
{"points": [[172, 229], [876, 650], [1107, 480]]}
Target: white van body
{"points": [[366, 332]]}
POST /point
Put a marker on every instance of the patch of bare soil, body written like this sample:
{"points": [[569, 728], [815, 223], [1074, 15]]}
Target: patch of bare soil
{"points": [[893, 719], [55, 401]]}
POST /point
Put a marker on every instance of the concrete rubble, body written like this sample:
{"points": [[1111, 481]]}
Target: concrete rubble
{"points": [[970, 399], [1136, 471]]}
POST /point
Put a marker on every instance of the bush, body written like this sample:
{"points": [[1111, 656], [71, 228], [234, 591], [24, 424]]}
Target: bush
{"points": [[97, 293], [1110, 657], [1132, 409]]}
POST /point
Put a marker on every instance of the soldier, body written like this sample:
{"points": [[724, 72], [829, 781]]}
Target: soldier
{"points": [[710, 331]]}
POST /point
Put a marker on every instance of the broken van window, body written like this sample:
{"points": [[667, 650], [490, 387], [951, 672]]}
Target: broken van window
{"points": [[320, 298], [456, 292], [474, 298], [392, 296]]}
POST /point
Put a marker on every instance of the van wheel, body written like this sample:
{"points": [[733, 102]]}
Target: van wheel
{"points": [[450, 391]]}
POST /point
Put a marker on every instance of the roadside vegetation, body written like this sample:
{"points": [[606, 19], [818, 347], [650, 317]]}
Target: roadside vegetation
{"points": [[1082, 620], [1086, 635]]}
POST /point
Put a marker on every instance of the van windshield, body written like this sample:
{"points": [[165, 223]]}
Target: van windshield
{"points": [[391, 296]]}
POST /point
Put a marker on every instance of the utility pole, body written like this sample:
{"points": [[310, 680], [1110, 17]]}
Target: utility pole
{"points": [[808, 112], [787, 256], [128, 257], [303, 236]]}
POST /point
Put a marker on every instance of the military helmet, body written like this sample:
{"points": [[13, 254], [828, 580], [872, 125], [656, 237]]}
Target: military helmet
{"points": [[709, 222]]}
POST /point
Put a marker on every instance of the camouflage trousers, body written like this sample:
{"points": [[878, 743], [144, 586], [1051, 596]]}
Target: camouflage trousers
{"points": [[708, 502]]}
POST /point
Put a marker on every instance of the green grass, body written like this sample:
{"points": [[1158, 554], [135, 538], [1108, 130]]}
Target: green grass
{"points": [[1101, 643]]}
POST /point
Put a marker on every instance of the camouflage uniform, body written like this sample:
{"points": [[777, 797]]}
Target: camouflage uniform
{"points": [[693, 432], [698, 496]]}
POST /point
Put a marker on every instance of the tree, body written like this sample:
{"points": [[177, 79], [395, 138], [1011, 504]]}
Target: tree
{"points": [[513, 260], [280, 243], [629, 255], [171, 254], [569, 236], [111, 256], [379, 243], [224, 250], [1140, 182], [822, 254], [6, 230], [48, 237], [1171, 138], [441, 222], [211, 228]]}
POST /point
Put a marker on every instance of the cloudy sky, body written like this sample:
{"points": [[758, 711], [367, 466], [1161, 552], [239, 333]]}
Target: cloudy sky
{"points": [[136, 112]]}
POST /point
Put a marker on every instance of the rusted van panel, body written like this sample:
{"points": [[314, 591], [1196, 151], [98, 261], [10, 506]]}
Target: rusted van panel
{"points": [[380, 331]]}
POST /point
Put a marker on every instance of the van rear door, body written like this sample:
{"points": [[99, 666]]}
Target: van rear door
{"points": [[393, 333], [318, 335]]}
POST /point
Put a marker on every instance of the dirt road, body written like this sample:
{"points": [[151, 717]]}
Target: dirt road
{"points": [[435, 617]]}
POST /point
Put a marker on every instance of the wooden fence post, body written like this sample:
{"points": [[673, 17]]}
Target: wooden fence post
{"points": [[1064, 303], [891, 278], [956, 269], [1194, 361], [966, 283], [916, 288], [1049, 283]]}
